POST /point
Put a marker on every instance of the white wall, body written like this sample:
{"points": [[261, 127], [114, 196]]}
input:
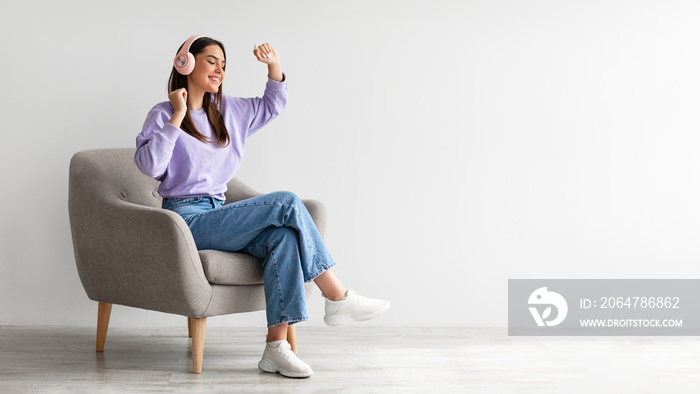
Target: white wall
{"points": [[456, 144]]}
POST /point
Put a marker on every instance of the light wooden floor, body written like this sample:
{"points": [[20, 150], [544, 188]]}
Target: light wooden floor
{"points": [[347, 359]]}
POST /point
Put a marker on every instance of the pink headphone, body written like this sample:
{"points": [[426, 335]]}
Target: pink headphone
{"points": [[184, 60]]}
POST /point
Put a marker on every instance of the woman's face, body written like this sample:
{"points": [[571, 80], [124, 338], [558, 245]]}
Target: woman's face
{"points": [[208, 73]]}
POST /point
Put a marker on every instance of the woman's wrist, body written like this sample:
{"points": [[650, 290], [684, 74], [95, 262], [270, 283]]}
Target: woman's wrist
{"points": [[274, 71], [177, 118]]}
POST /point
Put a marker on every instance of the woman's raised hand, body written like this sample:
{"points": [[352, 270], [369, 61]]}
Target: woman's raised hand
{"points": [[178, 98], [266, 54]]}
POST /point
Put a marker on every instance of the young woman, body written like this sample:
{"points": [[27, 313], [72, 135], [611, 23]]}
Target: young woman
{"points": [[193, 144]]}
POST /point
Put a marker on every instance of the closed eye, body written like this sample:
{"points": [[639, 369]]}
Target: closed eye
{"points": [[216, 59]]}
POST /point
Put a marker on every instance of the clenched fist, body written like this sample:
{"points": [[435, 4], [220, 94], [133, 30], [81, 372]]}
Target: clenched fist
{"points": [[265, 53], [178, 98]]}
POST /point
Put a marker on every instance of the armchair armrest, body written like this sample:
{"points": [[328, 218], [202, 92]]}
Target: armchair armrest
{"points": [[139, 256]]}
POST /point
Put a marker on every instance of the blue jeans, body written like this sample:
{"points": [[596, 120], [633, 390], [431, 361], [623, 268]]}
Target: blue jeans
{"points": [[275, 228]]}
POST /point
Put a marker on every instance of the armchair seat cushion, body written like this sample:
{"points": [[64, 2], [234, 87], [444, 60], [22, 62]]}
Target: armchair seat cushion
{"points": [[225, 268]]}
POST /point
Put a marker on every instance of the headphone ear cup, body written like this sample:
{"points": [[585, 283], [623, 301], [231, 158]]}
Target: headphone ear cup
{"points": [[184, 63], [184, 60], [190, 64]]}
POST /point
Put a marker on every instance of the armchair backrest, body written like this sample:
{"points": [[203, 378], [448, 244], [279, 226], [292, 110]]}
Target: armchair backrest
{"points": [[110, 175]]}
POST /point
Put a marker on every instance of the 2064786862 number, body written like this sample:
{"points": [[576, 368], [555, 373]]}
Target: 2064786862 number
{"points": [[639, 302]]}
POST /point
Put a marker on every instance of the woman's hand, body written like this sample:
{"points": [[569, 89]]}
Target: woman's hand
{"points": [[178, 99], [265, 53]]}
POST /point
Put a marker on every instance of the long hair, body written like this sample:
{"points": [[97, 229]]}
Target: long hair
{"points": [[212, 105]]}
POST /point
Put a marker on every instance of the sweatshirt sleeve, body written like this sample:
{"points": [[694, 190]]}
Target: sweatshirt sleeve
{"points": [[272, 103], [156, 142]]}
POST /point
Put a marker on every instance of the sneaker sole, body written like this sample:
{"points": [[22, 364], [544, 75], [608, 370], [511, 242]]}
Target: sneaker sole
{"points": [[268, 366], [340, 320]]}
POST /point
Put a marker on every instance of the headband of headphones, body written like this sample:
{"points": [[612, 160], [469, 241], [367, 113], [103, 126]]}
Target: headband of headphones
{"points": [[184, 60]]}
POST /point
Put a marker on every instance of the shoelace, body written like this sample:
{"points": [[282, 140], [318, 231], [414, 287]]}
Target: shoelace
{"points": [[286, 350]]}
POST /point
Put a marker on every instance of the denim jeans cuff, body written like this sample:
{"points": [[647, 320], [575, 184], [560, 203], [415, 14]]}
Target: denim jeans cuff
{"points": [[321, 269], [288, 320]]}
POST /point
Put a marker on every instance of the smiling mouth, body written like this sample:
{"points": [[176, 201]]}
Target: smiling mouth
{"points": [[216, 80]]}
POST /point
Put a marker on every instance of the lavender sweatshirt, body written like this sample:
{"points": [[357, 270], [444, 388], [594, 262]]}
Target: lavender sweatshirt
{"points": [[187, 167]]}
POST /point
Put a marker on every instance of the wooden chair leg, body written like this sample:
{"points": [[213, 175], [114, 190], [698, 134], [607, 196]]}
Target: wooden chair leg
{"points": [[104, 310], [189, 326], [292, 337], [199, 326]]}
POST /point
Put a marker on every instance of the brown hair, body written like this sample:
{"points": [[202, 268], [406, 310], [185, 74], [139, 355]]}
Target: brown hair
{"points": [[212, 105]]}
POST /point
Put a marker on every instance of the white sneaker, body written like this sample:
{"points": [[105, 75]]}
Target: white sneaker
{"points": [[353, 307], [283, 360]]}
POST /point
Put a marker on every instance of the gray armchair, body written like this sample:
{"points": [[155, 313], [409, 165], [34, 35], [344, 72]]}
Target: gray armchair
{"points": [[129, 251]]}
